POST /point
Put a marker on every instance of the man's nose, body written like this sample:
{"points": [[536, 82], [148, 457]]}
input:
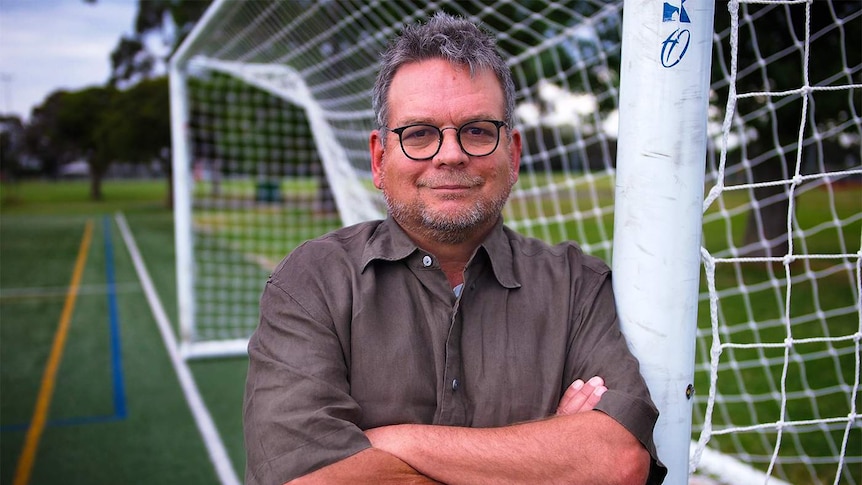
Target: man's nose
{"points": [[450, 152]]}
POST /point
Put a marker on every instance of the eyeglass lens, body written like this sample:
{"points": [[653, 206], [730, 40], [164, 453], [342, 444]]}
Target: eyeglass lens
{"points": [[477, 138]]}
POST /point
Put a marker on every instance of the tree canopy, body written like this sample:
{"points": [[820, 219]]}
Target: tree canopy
{"points": [[101, 125], [128, 118], [168, 20]]}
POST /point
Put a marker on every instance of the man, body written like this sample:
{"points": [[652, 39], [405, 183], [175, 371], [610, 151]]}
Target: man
{"points": [[438, 346]]}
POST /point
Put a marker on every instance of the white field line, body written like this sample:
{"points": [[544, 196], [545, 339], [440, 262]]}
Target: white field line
{"points": [[206, 426]]}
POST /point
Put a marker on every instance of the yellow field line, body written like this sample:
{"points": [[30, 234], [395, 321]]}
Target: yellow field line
{"points": [[46, 391]]}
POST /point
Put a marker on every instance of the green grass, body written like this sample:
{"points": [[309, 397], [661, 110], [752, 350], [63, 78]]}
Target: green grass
{"points": [[32, 197], [247, 188], [41, 224], [86, 441], [819, 373]]}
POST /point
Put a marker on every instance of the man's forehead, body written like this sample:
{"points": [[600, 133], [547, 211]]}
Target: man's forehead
{"points": [[461, 69], [435, 83]]}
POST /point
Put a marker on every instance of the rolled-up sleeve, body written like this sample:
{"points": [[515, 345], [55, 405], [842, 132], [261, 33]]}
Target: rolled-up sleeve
{"points": [[298, 415], [603, 351]]}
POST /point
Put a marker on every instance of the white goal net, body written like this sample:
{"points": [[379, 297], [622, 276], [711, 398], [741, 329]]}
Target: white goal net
{"points": [[272, 110]]}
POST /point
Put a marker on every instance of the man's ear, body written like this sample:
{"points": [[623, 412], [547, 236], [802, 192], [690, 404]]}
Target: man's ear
{"points": [[375, 144], [515, 149]]}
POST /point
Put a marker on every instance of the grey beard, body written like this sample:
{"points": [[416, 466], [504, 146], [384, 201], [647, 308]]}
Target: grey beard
{"points": [[446, 229]]}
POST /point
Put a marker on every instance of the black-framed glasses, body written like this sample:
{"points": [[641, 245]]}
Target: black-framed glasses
{"points": [[477, 138]]}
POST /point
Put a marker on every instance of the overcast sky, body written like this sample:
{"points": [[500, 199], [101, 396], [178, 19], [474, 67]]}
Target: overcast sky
{"points": [[46, 45]]}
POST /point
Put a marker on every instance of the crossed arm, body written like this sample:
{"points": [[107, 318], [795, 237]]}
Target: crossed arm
{"points": [[577, 445]]}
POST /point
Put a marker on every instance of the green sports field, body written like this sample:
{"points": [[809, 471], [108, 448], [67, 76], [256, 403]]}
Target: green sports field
{"points": [[89, 392], [113, 407]]}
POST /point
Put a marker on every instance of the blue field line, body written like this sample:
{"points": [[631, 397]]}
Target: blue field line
{"points": [[119, 395], [114, 323]]}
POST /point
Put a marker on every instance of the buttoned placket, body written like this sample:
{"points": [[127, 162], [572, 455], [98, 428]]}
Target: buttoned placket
{"points": [[451, 410], [453, 404]]}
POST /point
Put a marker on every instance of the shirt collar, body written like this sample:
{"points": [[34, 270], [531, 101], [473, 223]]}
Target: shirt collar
{"points": [[498, 247], [390, 243]]}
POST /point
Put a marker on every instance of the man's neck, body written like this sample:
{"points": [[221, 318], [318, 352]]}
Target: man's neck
{"points": [[453, 265], [452, 257]]}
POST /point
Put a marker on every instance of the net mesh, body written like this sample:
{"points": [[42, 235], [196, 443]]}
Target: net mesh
{"points": [[781, 242]]}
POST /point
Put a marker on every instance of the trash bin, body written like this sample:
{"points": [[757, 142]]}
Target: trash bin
{"points": [[268, 191]]}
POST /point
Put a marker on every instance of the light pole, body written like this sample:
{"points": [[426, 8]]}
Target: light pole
{"points": [[6, 79]]}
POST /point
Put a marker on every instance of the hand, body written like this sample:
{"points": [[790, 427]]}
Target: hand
{"points": [[581, 396]]}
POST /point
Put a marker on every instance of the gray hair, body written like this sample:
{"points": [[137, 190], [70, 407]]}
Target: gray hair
{"points": [[453, 39]]}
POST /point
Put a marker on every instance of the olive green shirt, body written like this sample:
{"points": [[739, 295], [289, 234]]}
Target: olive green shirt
{"points": [[360, 328]]}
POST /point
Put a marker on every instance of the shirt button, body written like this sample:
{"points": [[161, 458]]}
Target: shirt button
{"points": [[427, 261], [455, 384]]}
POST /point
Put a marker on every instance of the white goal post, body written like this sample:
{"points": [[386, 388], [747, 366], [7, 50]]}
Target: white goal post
{"points": [[661, 160], [709, 150]]}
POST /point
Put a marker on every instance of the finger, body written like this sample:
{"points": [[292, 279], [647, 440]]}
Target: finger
{"points": [[581, 396], [574, 398], [593, 398], [569, 395]]}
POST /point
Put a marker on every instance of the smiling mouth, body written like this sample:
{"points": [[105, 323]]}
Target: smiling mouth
{"points": [[450, 187], [463, 183]]}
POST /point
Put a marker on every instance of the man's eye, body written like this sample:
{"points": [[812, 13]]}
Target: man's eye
{"points": [[418, 134]]}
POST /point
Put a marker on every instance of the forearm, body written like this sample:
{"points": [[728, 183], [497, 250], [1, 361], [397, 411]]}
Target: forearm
{"points": [[367, 466], [583, 448]]}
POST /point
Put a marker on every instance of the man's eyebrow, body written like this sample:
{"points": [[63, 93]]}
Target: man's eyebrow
{"points": [[416, 120]]}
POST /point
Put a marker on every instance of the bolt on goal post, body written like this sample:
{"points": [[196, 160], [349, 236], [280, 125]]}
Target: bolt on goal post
{"points": [[661, 160]]}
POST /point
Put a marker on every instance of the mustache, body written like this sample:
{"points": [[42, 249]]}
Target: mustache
{"points": [[459, 179]]}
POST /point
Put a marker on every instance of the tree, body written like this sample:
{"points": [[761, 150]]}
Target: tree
{"points": [[78, 125], [102, 125], [260, 134], [65, 128], [38, 135], [172, 20], [132, 62], [136, 127], [11, 129]]}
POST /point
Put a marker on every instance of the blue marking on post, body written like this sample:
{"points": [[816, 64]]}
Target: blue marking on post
{"points": [[670, 10], [674, 47]]}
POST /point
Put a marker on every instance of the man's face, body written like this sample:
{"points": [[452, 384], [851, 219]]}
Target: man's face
{"points": [[452, 195]]}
